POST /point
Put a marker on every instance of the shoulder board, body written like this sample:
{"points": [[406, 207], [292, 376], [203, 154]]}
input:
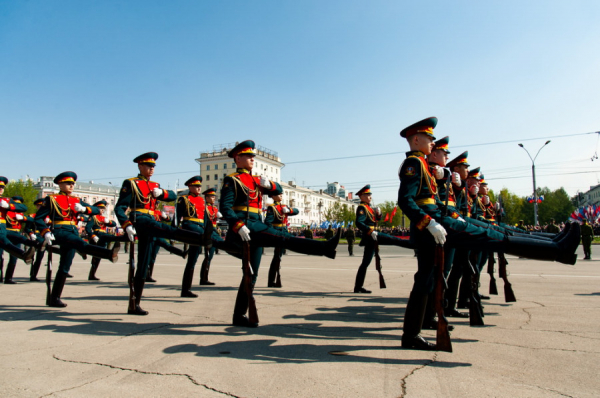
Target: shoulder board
{"points": [[233, 174]]}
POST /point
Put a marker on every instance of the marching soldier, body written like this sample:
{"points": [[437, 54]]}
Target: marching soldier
{"points": [[350, 238], [277, 215], [587, 236], [191, 210], [14, 224], [62, 209], [213, 214], [241, 205], [553, 228], [97, 232], [6, 205], [162, 216], [141, 195], [367, 218], [34, 234], [417, 198]]}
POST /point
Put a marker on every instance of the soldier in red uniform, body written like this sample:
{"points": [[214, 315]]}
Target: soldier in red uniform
{"points": [[141, 195], [14, 224], [213, 214], [63, 209]]}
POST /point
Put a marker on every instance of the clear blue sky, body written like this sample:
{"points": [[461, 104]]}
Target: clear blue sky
{"points": [[87, 86]]}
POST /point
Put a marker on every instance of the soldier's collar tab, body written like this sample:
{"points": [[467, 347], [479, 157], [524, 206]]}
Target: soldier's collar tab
{"points": [[241, 170]]}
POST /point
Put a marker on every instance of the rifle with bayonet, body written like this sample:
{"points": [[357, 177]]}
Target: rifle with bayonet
{"points": [[378, 260], [490, 271], [442, 342]]}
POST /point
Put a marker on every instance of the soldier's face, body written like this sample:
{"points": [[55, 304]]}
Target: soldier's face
{"points": [[439, 157], [483, 189], [277, 198], [66, 187], [462, 170], [195, 189], [210, 199], [366, 198], [1, 191], [244, 161], [147, 170], [424, 143]]}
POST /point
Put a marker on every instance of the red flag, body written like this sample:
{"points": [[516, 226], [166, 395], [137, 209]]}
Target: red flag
{"points": [[387, 216], [394, 211]]}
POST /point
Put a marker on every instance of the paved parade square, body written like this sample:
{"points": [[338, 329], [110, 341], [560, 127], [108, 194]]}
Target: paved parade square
{"points": [[316, 338]]}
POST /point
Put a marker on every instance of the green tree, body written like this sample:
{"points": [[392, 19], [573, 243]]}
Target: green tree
{"points": [[387, 207], [512, 205], [24, 189], [339, 212]]}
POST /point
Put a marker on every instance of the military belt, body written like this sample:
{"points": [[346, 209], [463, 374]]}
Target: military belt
{"points": [[2, 221], [278, 225], [65, 223], [248, 209], [193, 219], [14, 229], [146, 211], [425, 201]]}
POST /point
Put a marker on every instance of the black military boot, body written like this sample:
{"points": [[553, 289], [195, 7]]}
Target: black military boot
{"points": [[360, 280], [10, 270], [189, 237], [176, 251], [93, 269], [204, 273], [314, 247], [138, 288], [111, 255], [413, 319], [562, 251], [57, 288], [240, 309], [186, 283], [149, 273], [273, 271], [35, 266]]}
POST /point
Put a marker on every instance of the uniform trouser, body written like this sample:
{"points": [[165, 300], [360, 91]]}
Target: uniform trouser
{"points": [[193, 251], [6, 244], [70, 242], [369, 244], [37, 263], [147, 229], [587, 246], [276, 261], [350, 247], [10, 266]]}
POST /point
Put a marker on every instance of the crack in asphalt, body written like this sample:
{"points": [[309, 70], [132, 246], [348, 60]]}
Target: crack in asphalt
{"points": [[551, 390], [185, 375], [405, 378], [80, 385], [541, 348]]}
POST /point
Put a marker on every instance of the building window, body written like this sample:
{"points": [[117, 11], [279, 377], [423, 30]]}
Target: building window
{"points": [[208, 167], [208, 177], [233, 165], [225, 166], [216, 177], [216, 167]]}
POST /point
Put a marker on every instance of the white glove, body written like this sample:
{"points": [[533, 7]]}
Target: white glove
{"points": [[219, 214], [156, 192], [32, 237], [4, 204], [79, 208], [438, 232], [455, 178], [497, 207], [485, 200], [438, 172], [95, 239], [265, 183], [459, 218], [374, 235], [163, 214], [130, 232], [378, 211], [48, 238], [474, 190], [19, 217], [286, 210], [244, 233]]}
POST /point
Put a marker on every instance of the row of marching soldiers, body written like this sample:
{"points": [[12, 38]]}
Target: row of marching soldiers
{"points": [[453, 229]]}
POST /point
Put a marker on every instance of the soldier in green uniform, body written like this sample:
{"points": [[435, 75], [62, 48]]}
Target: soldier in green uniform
{"points": [[63, 209], [34, 234], [587, 236], [212, 215], [329, 232], [418, 199], [141, 195], [241, 204], [277, 215], [367, 218], [350, 238]]}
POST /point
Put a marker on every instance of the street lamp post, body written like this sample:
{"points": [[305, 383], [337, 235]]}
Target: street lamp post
{"points": [[535, 202], [319, 206]]}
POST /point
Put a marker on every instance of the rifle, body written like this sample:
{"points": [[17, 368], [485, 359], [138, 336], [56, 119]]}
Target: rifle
{"points": [[442, 342], [131, 274], [490, 270], [509, 295], [252, 312], [475, 310], [378, 262]]}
